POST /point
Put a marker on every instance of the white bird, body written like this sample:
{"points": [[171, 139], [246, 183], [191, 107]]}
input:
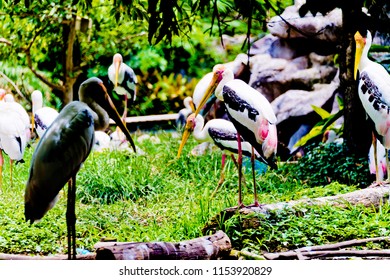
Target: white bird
{"points": [[374, 93], [222, 133], [249, 111], [380, 158], [14, 133], [42, 117], [102, 141], [185, 112], [123, 80]]}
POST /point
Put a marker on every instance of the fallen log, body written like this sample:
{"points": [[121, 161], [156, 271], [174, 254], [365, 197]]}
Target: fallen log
{"points": [[90, 256], [368, 197], [214, 246]]}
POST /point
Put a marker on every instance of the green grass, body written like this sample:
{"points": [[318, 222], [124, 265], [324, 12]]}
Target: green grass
{"points": [[156, 197]]}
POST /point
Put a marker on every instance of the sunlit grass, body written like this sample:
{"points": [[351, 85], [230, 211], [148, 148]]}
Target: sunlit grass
{"points": [[157, 197]]}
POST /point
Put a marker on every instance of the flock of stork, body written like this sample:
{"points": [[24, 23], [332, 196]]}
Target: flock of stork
{"points": [[66, 138]]}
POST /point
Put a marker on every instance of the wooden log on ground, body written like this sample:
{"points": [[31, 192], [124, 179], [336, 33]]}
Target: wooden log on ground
{"points": [[214, 246], [368, 197], [90, 256]]}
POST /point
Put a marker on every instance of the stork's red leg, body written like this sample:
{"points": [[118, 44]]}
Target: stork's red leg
{"points": [[222, 176], [1, 168], [239, 163], [256, 203]]}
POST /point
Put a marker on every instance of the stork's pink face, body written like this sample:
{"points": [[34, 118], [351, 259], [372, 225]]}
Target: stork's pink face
{"points": [[2, 94]]}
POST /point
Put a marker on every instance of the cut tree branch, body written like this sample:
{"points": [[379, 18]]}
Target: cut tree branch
{"points": [[214, 246], [5, 41]]}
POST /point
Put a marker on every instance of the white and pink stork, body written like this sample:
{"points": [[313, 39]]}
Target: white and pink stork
{"points": [[123, 80], [42, 116], [251, 114], [374, 93]]}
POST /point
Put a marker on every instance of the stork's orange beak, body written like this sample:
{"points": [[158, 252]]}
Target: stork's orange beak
{"points": [[186, 133], [360, 42]]}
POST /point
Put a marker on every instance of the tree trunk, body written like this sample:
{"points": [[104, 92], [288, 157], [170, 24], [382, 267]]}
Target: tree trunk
{"points": [[202, 248], [357, 133], [70, 76]]}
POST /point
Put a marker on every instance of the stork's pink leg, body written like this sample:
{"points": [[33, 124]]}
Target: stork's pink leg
{"points": [[222, 176], [125, 111], [1, 168], [239, 163], [11, 163], [256, 203]]}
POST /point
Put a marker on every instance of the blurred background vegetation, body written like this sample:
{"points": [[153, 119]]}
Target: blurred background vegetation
{"points": [[37, 41]]}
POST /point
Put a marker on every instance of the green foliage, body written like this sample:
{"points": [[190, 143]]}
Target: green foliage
{"points": [[331, 162], [157, 197], [308, 226]]}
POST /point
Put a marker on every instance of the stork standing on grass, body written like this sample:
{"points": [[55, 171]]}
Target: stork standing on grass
{"points": [[14, 132], [374, 93], [123, 80], [63, 148], [251, 114], [223, 134]]}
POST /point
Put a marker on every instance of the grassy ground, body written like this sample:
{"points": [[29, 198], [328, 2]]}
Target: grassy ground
{"points": [[156, 197]]}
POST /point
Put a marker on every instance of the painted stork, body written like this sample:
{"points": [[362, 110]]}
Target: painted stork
{"points": [[62, 150], [249, 111], [223, 134], [185, 112], [374, 93], [123, 80], [14, 132], [42, 117]]}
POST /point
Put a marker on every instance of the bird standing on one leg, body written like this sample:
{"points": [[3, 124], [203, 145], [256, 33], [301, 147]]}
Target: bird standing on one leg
{"points": [[374, 93], [249, 111], [63, 148]]}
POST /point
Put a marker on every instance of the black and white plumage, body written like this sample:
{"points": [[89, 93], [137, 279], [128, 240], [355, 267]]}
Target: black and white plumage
{"points": [[123, 80], [249, 111], [222, 133], [42, 117], [374, 93], [63, 148]]}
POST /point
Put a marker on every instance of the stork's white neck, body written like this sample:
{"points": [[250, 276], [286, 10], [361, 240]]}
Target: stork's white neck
{"points": [[200, 131], [367, 46], [227, 76]]}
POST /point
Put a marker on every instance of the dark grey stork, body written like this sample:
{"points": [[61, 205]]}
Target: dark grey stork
{"points": [[63, 148]]}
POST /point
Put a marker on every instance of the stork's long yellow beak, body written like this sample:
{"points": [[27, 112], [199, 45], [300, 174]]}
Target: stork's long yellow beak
{"points": [[360, 42], [209, 91], [117, 67], [186, 135]]}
